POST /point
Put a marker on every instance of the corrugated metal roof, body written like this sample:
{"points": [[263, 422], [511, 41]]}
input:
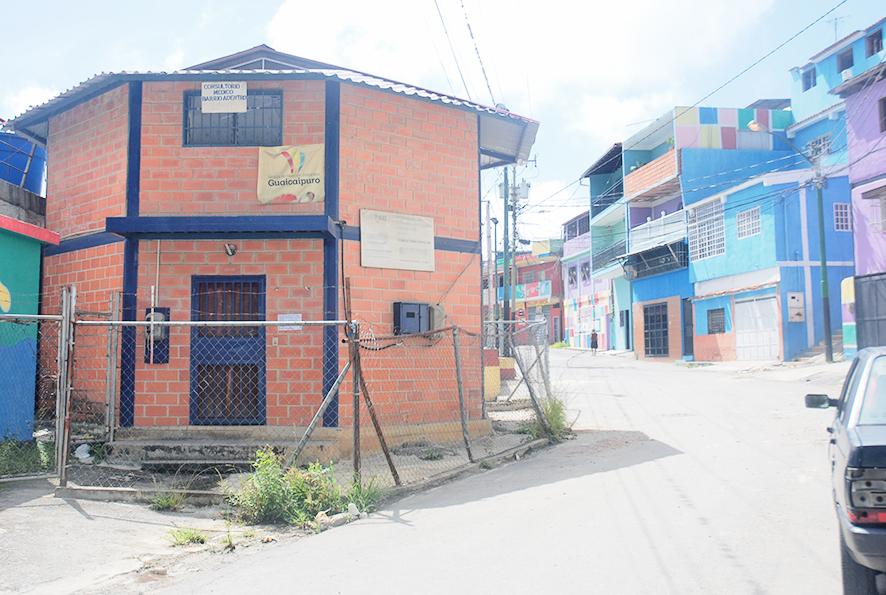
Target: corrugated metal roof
{"points": [[505, 137]]}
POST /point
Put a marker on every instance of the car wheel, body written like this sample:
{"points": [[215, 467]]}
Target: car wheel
{"points": [[857, 579]]}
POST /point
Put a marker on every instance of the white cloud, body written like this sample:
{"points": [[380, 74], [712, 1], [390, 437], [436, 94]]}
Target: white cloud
{"points": [[16, 103]]}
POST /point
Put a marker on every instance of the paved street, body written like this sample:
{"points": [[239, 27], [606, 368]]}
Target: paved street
{"points": [[695, 480]]}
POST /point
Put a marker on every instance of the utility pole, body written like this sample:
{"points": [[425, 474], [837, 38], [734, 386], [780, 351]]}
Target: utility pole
{"points": [[506, 286], [513, 193], [491, 274]]}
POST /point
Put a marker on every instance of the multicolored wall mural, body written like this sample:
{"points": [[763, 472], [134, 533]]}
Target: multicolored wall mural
{"points": [[19, 292]]}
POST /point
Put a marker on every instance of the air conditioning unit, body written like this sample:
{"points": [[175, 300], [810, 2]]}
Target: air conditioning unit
{"points": [[846, 74]]}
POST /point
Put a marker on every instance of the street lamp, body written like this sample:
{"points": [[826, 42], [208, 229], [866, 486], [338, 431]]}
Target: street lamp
{"points": [[825, 292]]}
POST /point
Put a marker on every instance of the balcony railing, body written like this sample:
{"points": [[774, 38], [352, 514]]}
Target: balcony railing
{"points": [[665, 230], [604, 257]]}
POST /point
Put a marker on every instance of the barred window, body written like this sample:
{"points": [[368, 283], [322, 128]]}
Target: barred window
{"points": [[819, 146], [573, 276], [585, 272], [842, 217], [705, 225], [716, 321], [260, 125], [748, 223]]}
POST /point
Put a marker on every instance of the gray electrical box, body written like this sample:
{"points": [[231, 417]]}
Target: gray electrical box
{"points": [[411, 318]]}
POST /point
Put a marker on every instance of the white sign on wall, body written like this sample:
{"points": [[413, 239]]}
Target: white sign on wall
{"points": [[223, 97], [289, 318], [396, 241]]}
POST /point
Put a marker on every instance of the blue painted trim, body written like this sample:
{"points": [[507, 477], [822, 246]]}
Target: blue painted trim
{"points": [[134, 156], [331, 248], [352, 234], [246, 226], [82, 243], [128, 334]]}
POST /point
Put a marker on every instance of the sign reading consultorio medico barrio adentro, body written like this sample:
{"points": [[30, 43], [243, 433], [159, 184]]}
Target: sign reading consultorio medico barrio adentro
{"points": [[291, 174], [223, 98]]}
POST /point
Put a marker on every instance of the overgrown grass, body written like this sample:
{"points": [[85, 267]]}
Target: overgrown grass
{"points": [[186, 535], [559, 345], [24, 457], [555, 412], [273, 494]]}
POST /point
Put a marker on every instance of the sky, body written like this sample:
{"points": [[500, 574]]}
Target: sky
{"points": [[592, 73]]}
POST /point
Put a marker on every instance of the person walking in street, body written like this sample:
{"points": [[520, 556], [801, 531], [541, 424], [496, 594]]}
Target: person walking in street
{"points": [[594, 342]]}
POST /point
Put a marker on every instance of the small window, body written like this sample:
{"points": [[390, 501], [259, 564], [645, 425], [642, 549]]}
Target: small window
{"points": [[261, 125], [541, 276], [585, 272], [842, 216], [748, 223], [874, 43], [717, 321], [882, 104], [571, 230], [844, 60], [573, 276], [584, 225], [819, 146], [809, 79], [529, 277]]}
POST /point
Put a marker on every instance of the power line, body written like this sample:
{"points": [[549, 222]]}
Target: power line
{"points": [[452, 49], [476, 49]]}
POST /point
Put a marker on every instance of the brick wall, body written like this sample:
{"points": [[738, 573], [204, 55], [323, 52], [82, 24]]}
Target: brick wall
{"points": [[403, 155], [652, 173], [188, 181], [86, 155], [293, 272], [675, 329]]}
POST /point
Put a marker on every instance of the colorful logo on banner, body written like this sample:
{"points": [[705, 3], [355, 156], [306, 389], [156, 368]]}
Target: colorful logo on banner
{"points": [[291, 174], [5, 298], [530, 292]]}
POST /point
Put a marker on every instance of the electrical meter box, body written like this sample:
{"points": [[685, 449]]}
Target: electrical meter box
{"points": [[796, 309], [411, 318]]}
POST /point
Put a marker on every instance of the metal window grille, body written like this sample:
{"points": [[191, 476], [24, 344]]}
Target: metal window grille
{"points": [[655, 329], [585, 272], [707, 236], [260, 125], [874, 43], [842, 217], [819, 146], [573, 276], [748, 223], [716, 321]]}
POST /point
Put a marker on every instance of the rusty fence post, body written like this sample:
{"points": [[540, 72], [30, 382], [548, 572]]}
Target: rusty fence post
{"points": [[461, 396]]}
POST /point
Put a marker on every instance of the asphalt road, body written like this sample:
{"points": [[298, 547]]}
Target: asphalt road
{"points": [[681, 481]]}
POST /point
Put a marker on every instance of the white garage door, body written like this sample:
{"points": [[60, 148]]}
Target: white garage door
{"points": [[756, 329]]}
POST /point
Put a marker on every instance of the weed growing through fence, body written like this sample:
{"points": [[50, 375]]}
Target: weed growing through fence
{"points": [[186, 535], [163, 500], [555, 412], [365, 497], [485, 464], [273, 494], [19, 457]]}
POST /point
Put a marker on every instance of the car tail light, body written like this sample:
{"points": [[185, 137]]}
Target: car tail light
{"points": [[867, 496]]}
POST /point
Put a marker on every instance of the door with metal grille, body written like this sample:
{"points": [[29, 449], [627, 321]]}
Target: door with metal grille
{"points": [[228, 362], [655, 329], [688, 328]]}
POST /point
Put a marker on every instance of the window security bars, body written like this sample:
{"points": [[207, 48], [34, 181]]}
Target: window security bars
{"points": [[716, 321], [748, 223], [842, 217], [706, 231], [655, 330], [260, 125]]}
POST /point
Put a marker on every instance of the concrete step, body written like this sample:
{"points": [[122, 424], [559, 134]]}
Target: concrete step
{"points": [[164, 454]]}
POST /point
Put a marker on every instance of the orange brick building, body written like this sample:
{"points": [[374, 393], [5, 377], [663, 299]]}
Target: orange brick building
{"points": [[158, 196]]}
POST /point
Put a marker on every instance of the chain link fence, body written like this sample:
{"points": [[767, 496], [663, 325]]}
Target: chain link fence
{"points": [[160, 404], [29, 347]]}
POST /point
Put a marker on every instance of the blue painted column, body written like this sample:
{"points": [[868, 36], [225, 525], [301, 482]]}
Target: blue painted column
{"points": [[331, 250], [130, 260]]}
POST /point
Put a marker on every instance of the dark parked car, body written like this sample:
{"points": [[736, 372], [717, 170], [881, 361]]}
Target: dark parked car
{"points": [[858, 463]]}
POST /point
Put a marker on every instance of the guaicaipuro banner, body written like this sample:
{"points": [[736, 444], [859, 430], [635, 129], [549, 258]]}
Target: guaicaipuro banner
{"points": [[291, 174]]}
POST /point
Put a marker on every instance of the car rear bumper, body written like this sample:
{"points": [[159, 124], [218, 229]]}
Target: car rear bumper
{"points": [[866, 544]]}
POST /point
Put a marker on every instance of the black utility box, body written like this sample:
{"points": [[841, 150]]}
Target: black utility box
{"points": [[411, 318]]}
